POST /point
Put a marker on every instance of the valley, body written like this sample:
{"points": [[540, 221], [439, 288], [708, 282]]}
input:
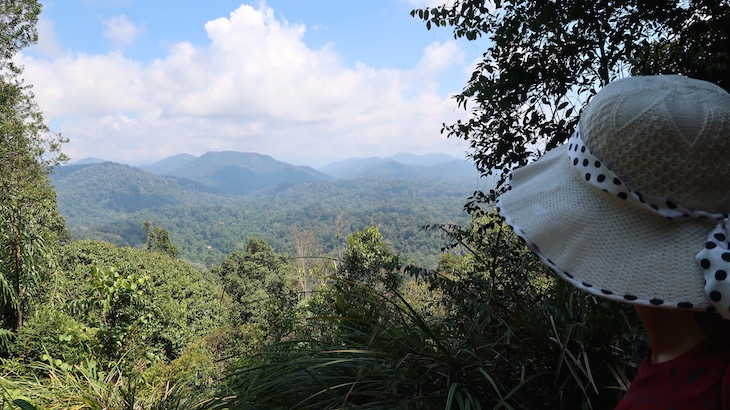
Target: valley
{"points": [[213, 204]]}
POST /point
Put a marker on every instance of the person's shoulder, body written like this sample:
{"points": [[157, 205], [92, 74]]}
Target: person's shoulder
{"points": [[716, 346]]}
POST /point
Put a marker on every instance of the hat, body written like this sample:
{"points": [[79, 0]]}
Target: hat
{"points": [[635, 206]]}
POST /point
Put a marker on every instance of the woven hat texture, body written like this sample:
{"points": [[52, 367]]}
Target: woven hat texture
{"points": [[664, 136]]}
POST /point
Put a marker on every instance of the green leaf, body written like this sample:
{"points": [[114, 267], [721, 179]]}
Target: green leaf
{"points": [[24, 404]]}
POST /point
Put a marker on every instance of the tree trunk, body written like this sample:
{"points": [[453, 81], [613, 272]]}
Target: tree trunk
{"points": [[19, 307]]}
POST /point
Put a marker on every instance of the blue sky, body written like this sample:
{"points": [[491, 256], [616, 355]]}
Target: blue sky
{"points": [[307, 82]]}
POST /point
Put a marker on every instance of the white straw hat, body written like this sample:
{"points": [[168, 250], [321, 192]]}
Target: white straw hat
{"points": [[634, 207]]}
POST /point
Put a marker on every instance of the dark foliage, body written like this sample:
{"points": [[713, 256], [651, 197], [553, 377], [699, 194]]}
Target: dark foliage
{"points": [[546, 59]]}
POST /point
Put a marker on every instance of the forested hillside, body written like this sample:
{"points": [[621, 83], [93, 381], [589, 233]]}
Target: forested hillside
{"points": [[236, 173], [111, 201]]}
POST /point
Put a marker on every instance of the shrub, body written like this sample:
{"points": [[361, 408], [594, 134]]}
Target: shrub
{"points": [[52, 334]]}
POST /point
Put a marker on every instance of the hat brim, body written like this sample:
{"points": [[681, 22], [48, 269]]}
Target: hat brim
{"points": [[602, 244]]}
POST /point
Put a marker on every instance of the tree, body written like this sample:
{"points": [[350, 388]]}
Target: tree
{"points": [[307, 249], [548, 58], [258, 281], [158, 240], [30, 220], [128, 328], [141, 300], [697, 44], [367, 260], [18, 20]]}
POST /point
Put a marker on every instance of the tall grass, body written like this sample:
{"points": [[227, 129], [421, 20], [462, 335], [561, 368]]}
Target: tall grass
{"points": [[394, 360], [85, 387]]}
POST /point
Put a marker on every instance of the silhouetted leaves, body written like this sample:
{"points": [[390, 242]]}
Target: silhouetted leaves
{"points": [[546, 59]]}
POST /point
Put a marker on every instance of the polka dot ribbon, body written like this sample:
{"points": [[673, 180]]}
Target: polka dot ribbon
{"points": [[714, 259]]}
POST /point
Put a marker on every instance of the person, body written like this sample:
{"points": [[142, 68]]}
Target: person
{"points": [[634, 208]]}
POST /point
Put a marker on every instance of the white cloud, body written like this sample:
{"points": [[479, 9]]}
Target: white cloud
{"points": [[439, 57], [255, 87], [121, 31], [48, 44]]}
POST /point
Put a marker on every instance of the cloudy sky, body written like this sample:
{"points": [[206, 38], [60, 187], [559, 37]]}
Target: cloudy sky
{"points": [[307, 82]]}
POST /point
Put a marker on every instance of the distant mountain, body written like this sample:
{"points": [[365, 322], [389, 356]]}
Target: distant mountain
{"points": [[95, 189], [431, 166], [424, 160], [353, 167], [88, 160], [236, 173], [169, 164]]}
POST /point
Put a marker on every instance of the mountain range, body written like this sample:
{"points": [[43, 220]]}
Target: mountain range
{"points": [[235, 173], [439, 166], [242, 173], [210, 204]]}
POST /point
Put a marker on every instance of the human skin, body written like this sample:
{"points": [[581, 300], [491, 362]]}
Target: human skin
{"points": [[672, 332]]}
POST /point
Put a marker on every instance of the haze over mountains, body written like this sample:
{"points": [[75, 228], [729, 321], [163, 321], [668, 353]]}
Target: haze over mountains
{"points": [[213, 203], [236, 173], [241, 173]]}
